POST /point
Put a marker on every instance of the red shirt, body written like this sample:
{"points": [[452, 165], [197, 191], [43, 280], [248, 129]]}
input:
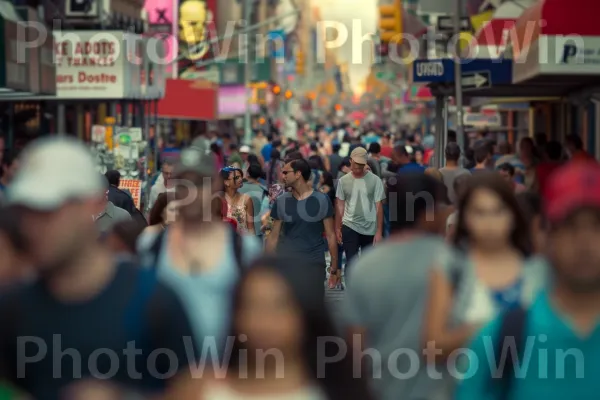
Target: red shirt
{"points": [[543, 172], [427, 156], [387, 151]]}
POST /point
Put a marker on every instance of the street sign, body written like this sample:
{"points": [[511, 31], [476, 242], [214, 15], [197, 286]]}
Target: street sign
{"points": [[385, 76], [476, 80], [446, 24], [441, 71]]}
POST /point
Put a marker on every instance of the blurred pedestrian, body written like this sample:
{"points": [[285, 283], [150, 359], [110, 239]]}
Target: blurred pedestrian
{"points": [[493, 236], [122, 238], [278, 312], [388, 289], [82, 295], [163, 213], [240, 207], [115, 195], [560, 328], [109, 213], [200, 255]]}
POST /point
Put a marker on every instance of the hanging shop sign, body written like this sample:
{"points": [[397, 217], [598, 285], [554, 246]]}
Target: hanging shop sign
{"points": [[90, 64]]}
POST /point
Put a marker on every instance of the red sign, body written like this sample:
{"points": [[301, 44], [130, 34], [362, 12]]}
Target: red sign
{"points": [[190, 100]]}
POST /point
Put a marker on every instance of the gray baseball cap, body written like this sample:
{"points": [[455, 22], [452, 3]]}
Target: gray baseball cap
{"points": [[197, 158]]}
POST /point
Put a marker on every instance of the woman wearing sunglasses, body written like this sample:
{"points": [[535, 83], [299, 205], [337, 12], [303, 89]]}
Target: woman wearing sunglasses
{"points": [[239, 206]]}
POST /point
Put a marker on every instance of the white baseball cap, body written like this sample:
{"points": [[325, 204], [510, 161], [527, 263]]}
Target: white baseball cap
{"points": [[245, 149], [53, 171]]}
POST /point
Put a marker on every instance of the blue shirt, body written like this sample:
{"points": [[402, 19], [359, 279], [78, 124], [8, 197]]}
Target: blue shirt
{"points": [[266, 152], [411, 167], [561, 363], [207, 296]]}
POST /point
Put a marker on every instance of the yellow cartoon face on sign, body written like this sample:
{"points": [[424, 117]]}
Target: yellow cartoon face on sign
{"points": [[194, 17]]}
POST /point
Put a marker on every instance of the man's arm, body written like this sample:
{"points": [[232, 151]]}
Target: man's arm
{"points": [[332, 243], [273, 237], [340, 205], [379, 210]]}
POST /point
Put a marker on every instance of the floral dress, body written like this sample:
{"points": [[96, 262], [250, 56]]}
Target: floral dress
{"points": [[238, 213]]}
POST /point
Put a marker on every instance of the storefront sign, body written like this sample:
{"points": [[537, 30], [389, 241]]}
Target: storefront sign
{"points": [[233, 101], [162, 17], [91, 64], [134, 186], [487, 120]]}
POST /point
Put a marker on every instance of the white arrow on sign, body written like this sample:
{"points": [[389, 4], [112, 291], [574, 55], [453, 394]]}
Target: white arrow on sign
{"points": [[476, 80]]}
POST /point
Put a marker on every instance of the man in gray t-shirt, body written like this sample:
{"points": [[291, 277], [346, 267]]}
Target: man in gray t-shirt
{"points": [[452, 171], [359, 210]]}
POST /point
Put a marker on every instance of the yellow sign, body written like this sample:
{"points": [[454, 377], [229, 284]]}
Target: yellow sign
{"points": [[134, 186], [110, 120]]}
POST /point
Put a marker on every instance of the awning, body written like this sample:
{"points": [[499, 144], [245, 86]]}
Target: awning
{"points": [[189, 100], [557, 41], [490, 41], [417, 94]]}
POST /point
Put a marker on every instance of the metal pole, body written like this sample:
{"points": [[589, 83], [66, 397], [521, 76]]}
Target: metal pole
{"points": [[445, 132], [460, 137], [248, 67], [439, 130]]}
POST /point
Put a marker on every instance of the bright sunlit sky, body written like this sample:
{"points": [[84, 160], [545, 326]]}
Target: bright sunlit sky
{"points": [[344, 11]]}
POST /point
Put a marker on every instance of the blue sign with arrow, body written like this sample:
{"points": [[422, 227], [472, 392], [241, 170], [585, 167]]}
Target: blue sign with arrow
{"points": [[476, 73]]}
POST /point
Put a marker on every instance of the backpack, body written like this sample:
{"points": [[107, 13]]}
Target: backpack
{"points": [[151, 257], [512, 326]]}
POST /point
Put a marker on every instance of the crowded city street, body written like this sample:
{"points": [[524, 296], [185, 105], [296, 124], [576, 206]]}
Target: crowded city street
{"points": [[233, 199]]}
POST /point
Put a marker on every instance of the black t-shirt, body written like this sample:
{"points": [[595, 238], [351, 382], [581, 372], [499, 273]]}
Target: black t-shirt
{"points": [[46, 345], [302, 225]]}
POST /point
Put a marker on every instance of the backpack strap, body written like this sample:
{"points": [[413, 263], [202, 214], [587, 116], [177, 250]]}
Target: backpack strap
{"points": [[237, 241], [512, 328], [154, 250]]}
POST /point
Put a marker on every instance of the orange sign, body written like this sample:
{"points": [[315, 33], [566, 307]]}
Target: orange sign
{"points": [[134, 186]]}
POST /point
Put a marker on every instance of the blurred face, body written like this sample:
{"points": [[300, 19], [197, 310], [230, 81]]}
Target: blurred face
{"points": [[194, 201], [235, 180], [244, 156], [487, 218], [418, 157], [506, 175], [55, 237], [573, 250], [289, 176], [171, 212], [356, 168], [268, 314], [10, 171], [167, 172]]}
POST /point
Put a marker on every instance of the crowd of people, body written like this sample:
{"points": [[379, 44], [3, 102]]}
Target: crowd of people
{"points": [[477, 280]]}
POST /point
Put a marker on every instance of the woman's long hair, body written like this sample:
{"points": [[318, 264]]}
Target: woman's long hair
{"points": [[275, 158], [520, 235], [336, 378]]}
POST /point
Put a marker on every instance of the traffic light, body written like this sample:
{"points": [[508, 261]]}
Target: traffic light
{"points": [[390, 22], [338, 107], [288, 94], [276, 89], [300, 62]]}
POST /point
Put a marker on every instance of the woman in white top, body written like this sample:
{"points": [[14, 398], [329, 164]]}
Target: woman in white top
{"points": [[275, 347], [491, 273]]}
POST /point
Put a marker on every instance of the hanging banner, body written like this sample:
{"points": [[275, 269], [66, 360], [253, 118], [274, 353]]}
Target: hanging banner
{"points": [[162, 18], [197, 27]]}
